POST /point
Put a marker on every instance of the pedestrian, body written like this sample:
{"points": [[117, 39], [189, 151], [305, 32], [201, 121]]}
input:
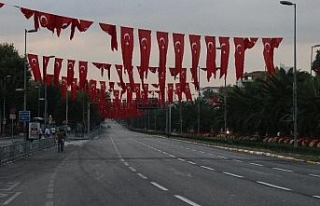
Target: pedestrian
{"points": [[61, 137], [47, 133]]}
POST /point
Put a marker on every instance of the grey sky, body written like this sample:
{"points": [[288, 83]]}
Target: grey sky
{"points": [[245, 18]]}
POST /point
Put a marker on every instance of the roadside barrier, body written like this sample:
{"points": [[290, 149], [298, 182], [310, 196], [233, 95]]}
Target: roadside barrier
{"points": [[18, 150]]}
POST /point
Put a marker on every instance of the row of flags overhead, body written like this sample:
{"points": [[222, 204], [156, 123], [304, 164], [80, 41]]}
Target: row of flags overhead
{"points": [[56, 23]]}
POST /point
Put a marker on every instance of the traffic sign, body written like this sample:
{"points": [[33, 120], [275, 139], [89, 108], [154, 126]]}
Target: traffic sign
{"points": [[24, 116]]}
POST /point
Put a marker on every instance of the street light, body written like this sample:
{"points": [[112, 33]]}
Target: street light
{"points": [[295, 102], [25, 78], [46, 98], [314, 46], [4, 102]]}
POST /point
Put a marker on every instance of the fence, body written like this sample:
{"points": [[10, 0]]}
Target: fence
{"points": [[18, 150]]}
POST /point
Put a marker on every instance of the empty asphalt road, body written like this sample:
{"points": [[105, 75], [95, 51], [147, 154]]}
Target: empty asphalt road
{"points": [[120, 167]]}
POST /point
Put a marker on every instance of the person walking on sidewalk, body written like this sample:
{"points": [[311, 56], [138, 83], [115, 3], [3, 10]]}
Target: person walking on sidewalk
{"points": [[61, 137]]}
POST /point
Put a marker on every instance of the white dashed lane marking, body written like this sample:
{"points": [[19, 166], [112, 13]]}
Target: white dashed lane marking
{"points": [[132, 169], [193, 163], [282, 170], [207, 168], [142, 176], [159, 186], [313, 175], [233, 175], [273, 186], [255, 164], [187, 200], [316, 196]]}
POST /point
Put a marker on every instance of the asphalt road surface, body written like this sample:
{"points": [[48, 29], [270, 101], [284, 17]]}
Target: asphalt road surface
{"points": [[120, 167]]}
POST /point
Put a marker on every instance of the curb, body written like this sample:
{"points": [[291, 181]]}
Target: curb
{"points": [[267, 154]]}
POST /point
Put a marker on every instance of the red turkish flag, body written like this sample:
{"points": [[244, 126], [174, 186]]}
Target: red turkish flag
{"points": [[241, 45], [102, 67], [194, 75], [35, 68], [57, 70], [183, 77], [170, 93], [174, 71], [83, 71], [153, 69], [64, 87], [111, 86], [211, 56], [178, 43], [49, 79], [163, 42], [129, 93], [162, 84], [112, 31], [225, 51], [268, 52], [81, 25], [127, 47], [102, 94], [28, 13], [93, 89], [141, 72], [195, 46], [187, 92], [119, 71], [70, 71], [73, 88], [45, 62], [145, 47], [54, 22], [179, 91], [137, 90]]}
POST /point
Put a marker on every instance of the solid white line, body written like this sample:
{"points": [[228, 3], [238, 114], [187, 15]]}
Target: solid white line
{"points": [[255, 164], [142, 176], [132, 169], [207, 168], [274, 186], [316, 196], [233, 175], [186, 200], [159, 186], [313, 175], [193, 163], [282, 170], [11, 198], [183, 160]]}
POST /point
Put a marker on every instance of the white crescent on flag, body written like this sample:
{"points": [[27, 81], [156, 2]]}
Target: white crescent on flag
{"points": [[177, 46]]}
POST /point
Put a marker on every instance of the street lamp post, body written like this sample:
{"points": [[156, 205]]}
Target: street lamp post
{"points": [[25, 78], [46, 99], [314, 46], [295, 102], [225, 105], [199, 98], [4, 102]]}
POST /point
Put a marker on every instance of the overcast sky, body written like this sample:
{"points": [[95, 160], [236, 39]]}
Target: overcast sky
{"points": [[244, 18]]}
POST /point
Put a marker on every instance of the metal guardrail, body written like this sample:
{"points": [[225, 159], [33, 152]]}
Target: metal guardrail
{"points": [[18, 150]]}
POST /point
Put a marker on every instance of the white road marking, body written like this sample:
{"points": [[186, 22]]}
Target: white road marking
{"points": [[164, 153], [233, 175], [172, 156], [236, 160], [142, 176], [12, 185], [159, 186], [187, 200], [193, 163], [316, 196], [132, 169], [274, 186], [182, 160], [126, 164], [202, 152], [255, 164], [313, 175], [11, 198], [282, 170], [207, 168]]}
